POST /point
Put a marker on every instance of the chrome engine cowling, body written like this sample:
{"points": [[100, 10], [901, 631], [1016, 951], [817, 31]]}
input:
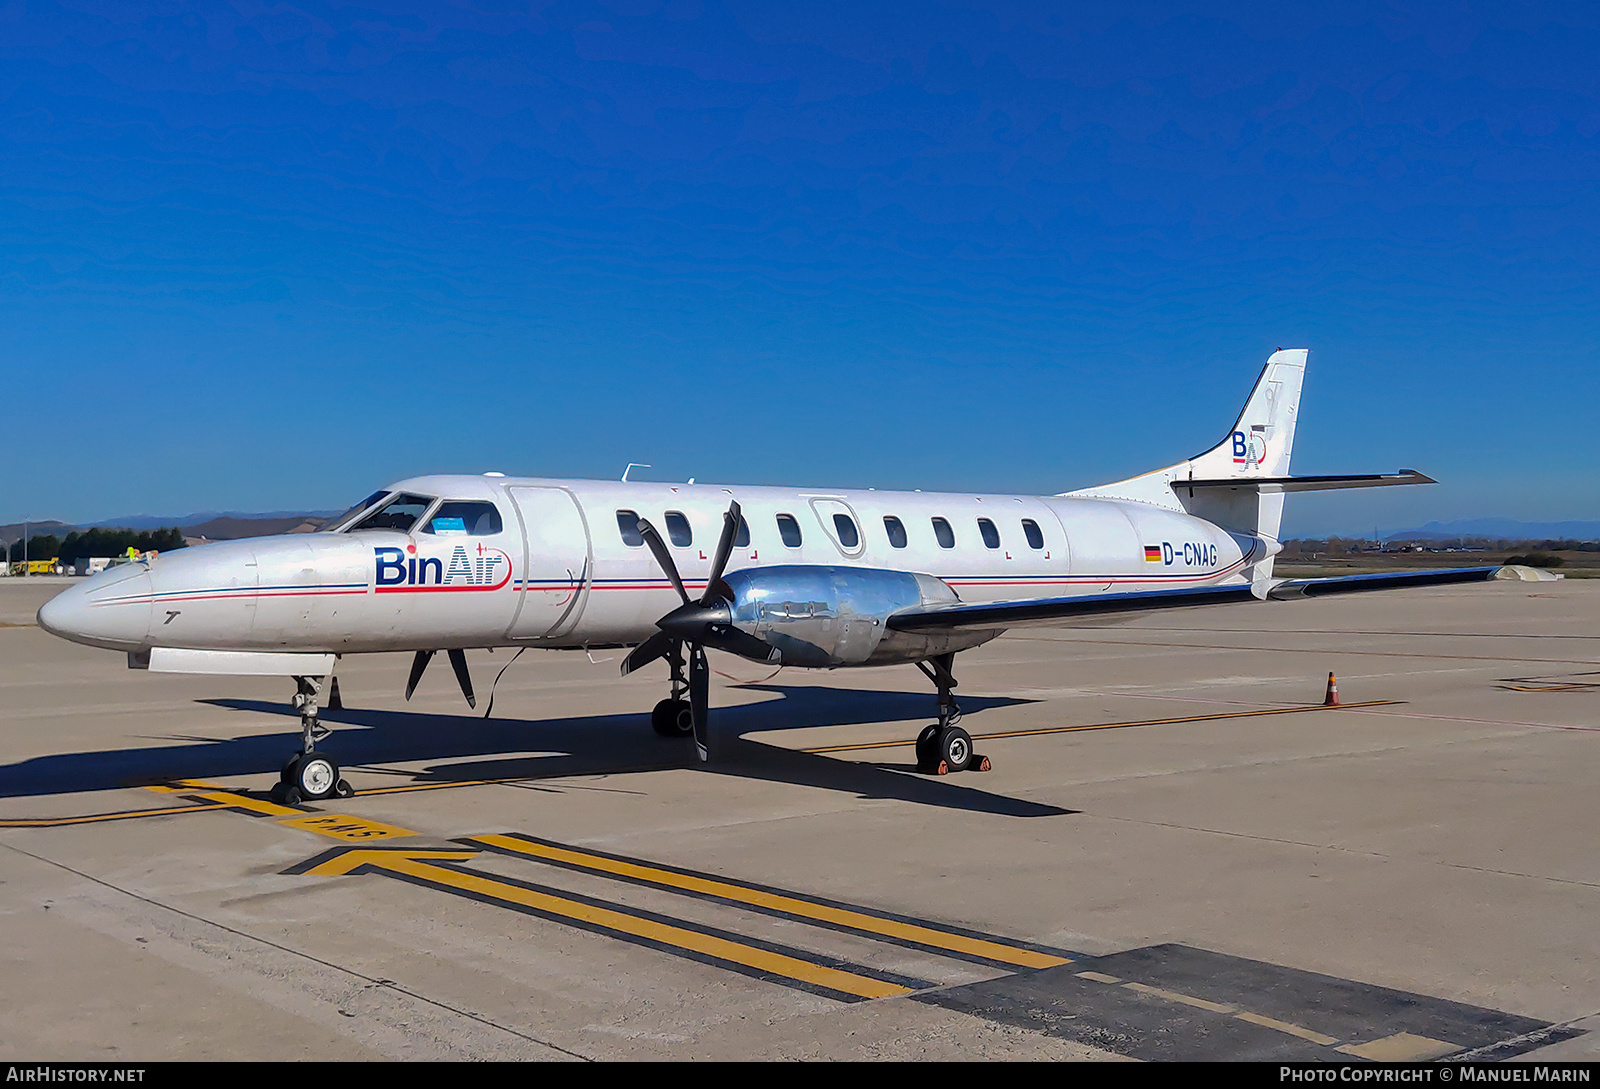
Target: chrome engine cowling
{"points": [[824, 616]]}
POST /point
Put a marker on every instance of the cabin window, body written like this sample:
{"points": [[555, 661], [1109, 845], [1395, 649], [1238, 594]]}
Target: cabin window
{"points": [[399, 513], [991, 536], [461, 518], [741, 539], [896, 530], [845, 527], [678, 529], [789, 530], [943, 533], [628, 526], [1030, 530]]}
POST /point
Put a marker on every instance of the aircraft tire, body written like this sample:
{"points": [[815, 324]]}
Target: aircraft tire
{"points": [[315, 776], [955, 748], [670, 718], [928, 747]]}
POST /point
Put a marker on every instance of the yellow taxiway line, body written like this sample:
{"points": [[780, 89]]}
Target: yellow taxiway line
{"points": [[775, 901], [424, 867]]}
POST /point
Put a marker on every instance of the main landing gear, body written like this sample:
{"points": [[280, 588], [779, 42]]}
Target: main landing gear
{"points": [[310, 775], [945, 747], [672, 716]]}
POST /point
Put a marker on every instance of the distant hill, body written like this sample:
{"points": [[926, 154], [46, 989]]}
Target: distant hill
{"points": [[206, 525], [199, 518], [1499, 528], [231, 528], [13, 532]]}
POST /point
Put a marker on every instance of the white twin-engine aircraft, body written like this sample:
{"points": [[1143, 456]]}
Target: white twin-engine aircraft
{"points": [[812, 578]]}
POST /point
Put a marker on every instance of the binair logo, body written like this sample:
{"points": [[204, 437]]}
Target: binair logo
{"points": [[463, 570], [1249, 449]]}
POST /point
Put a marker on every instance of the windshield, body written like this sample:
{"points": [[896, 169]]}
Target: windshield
{"points": [[334, 525], [399, 513]]}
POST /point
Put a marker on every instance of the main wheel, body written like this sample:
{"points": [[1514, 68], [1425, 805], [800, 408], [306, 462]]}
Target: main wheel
{"points": [[928, 747], [315, 776], [955, 748], [672, 718]]}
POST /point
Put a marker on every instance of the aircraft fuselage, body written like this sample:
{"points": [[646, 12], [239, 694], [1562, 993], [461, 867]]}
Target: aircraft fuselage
{"points": [[561, 568]]}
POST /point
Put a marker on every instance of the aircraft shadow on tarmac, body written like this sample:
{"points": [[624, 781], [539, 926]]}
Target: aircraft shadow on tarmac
{"points": [[455, 746]]}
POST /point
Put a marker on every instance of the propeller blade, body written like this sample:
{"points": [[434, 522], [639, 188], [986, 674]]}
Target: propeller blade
{"points": [[699, 698], [658, 645], [719, 562], [658, 548], [458, 662], [418, 664], [744, 645]]}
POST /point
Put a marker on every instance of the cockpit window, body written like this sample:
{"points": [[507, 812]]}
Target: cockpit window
{"points": [[336, 524], [399, 513], [462, 518]]}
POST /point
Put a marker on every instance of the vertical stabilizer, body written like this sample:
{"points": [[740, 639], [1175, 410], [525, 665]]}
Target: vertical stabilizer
{"points": [[1257, 446]]}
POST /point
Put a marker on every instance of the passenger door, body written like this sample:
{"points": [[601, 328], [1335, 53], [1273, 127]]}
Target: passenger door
{"points": [[557, 564]]}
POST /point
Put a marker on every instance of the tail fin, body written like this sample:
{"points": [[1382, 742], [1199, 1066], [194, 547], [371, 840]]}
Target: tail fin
{"points": [[1257, 448], [1263, 438]]}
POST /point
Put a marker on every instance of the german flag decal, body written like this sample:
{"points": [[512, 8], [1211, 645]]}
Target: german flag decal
{"points": [[1152, 553]]}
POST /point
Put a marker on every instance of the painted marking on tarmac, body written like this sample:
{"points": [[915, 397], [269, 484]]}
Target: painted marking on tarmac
{"points": [[116, 815], [442, 870], [349, 828], [1044, 730], [1402, 1047], [778, 902], [1166, 995]]}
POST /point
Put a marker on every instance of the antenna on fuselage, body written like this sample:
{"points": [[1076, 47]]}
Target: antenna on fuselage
{"points": [[632, 465]]}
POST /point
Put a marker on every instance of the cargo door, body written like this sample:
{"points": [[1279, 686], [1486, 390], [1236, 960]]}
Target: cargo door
{"points": [[557, 563]]}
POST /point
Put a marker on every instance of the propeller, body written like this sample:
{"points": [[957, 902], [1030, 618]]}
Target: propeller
{"points": [[458, 662], [707, 622]]}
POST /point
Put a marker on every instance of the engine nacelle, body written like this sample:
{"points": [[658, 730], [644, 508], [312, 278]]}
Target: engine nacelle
{"points": [[822, 616]]}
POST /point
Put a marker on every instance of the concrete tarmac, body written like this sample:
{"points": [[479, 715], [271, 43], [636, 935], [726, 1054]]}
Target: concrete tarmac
{"points": [[1178, 854]]}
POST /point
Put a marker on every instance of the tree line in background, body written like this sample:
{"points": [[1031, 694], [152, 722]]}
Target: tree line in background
{"points": [[97, 542], [1527, 551]]}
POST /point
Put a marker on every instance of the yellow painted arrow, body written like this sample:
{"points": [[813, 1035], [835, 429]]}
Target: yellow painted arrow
{"points": [[422, 866], [409, 860]]}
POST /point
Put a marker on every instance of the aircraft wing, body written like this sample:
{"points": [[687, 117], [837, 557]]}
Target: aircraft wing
{"points": [[993, 615], [1342, 584]]}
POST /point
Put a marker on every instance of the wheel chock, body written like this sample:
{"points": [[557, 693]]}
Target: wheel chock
{"points": [[980, 763]]}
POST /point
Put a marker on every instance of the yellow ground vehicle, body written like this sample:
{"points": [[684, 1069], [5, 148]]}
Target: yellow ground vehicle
{"points": [[35, 567]]}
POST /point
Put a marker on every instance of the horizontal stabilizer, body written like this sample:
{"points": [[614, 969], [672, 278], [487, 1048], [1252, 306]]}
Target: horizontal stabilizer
{"points": [[1344, 584], [1273, 485]]}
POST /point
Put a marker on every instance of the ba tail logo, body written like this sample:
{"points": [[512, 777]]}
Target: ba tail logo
{"points": [[481, 569], [1193, 554], [1249, 449]]}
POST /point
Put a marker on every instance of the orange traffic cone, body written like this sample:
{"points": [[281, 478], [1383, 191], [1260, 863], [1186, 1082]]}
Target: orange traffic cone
{"points": [[1332, 698]]}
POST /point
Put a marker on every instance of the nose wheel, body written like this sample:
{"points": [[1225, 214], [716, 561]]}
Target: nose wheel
{"points": [[945, 747], [673, 717], [310, 775]]}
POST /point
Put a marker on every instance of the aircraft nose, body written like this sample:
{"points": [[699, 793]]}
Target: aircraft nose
{"points": [[110, 610]]}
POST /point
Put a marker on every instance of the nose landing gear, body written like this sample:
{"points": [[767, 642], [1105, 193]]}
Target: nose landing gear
{"points": [[945, 747], [672, 717], [310, 775]]}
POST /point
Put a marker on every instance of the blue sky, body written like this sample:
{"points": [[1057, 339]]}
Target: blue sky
{"points": [[266, 256]]}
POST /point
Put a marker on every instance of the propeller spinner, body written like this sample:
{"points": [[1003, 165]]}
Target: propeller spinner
{"points": [[698, 624]]}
